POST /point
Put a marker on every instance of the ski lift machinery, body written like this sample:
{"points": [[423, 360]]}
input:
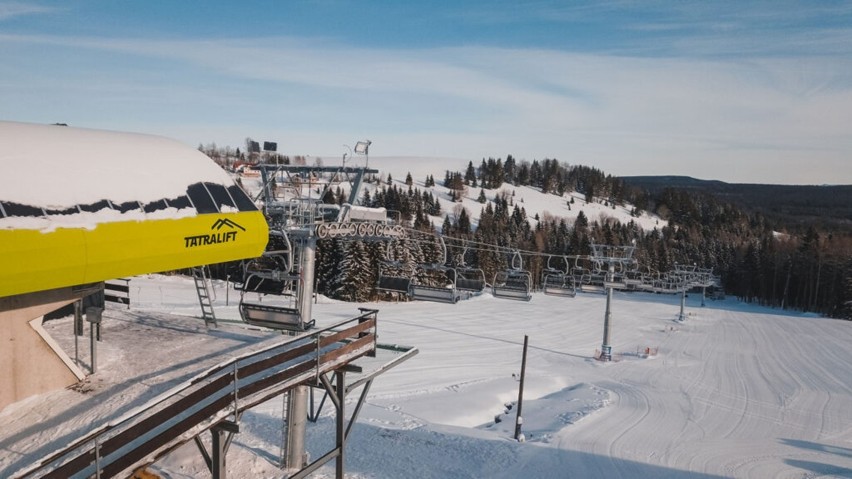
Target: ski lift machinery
{"points": [[297, 221], [514, 282], [435, 281], [559, 282]]}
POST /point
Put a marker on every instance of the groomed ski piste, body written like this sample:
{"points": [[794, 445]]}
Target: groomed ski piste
{"points": [[733, 391]]}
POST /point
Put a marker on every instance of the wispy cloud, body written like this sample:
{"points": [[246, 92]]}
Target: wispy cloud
{"points": [[628, 115], [683, 28], [18, 9]]}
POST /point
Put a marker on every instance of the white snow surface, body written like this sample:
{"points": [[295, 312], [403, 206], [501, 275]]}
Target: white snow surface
{"points": [[57, 166], [735, 391], [89, 221], [532, 200]]}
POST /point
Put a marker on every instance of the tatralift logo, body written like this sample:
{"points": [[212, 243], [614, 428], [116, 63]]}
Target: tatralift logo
{"points": [[216, 237]]}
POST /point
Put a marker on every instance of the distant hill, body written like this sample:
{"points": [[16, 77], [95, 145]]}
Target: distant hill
{"points": [[795, 206]]}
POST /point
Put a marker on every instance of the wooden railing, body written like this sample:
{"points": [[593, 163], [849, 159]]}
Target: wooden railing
{"points": [[141, 436]]}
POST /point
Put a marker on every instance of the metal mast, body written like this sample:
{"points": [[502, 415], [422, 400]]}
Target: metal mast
{"points": [[610, 257]]}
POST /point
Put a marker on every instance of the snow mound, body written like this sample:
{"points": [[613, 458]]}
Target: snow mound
{"points": [[546, 416]]}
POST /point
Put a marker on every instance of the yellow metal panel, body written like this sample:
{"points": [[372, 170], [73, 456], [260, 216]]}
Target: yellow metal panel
{"points": [[34, 261]]}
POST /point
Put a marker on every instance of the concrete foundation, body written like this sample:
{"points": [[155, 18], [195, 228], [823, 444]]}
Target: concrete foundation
{"points": [[30, 361]]}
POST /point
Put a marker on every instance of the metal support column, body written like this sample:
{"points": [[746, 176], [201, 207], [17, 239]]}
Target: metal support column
{"points": [[340, 377], [606, 348], [218, 459], [93, 316], [222, 434], [306, 278], [78, 329], [297, 417], [682, 316], [297, 413]]}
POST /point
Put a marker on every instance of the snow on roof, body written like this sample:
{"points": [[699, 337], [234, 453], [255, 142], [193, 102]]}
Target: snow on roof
{"points": [[55, 166]]}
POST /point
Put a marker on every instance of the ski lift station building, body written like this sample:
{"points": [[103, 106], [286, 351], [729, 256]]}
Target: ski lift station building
{"points": [[81, 206]]}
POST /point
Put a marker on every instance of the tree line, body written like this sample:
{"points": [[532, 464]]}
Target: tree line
{"points": [[760, 258], [757, 261]]}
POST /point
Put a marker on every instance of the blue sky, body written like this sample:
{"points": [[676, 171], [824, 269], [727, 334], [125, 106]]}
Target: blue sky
{"points": [[738, 91]]}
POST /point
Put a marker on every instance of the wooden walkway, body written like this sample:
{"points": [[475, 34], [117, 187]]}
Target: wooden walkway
{"points": [[142, 436]]}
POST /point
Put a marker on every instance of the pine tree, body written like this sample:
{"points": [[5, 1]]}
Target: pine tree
{"points": [[436, 206], [581, 223], [328, 259], [470, 174], [481, 197], [353, 281], [510, 169], [447, 226], [463, 223]]}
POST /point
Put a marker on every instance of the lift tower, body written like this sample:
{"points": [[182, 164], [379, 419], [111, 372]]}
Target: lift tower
{"points": [[610, 258], [292, 202]]}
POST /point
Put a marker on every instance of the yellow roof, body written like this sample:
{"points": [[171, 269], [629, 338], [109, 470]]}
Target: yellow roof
{"points": [[90, 205]]}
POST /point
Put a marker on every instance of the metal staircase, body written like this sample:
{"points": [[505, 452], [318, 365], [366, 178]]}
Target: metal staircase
{"points": [[207, 314]]}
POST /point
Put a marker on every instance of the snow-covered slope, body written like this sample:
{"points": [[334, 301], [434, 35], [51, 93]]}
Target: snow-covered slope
{"points": [[531, 199], [734, 391]]}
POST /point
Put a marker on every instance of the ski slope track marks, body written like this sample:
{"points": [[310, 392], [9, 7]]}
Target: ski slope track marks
{"points": [[734, 391]]}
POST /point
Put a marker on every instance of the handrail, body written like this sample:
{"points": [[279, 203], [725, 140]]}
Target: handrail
{"points": [[142, 435]]}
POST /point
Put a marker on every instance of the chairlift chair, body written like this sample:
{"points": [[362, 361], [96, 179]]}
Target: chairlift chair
{"points": [[513, 283], [593, 282], [558, 282], [584, 278], [660, 283], [633, 279], [704, 277], [579, 274], [435, 282], [647, 281], [578, 271], [617, 281], [468, 278], [394, 276], [668, 284], [273, 274]]}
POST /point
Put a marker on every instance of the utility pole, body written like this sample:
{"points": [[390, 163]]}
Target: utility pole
{"points": [[519, 420]]}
